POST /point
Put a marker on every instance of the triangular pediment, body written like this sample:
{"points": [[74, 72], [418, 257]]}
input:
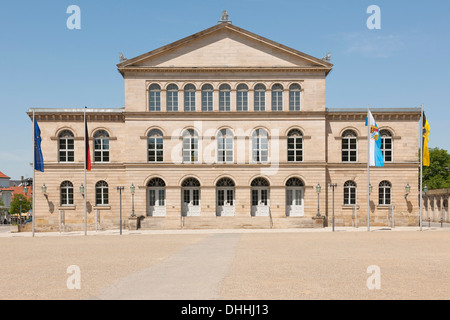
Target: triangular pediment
{"points": [[225, 46]]}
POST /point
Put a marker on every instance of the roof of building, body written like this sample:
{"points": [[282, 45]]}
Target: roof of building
{"points": [[4, 176]]}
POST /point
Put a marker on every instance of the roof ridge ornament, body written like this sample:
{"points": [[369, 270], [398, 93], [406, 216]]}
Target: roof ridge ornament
{"points": [[224, 18]]}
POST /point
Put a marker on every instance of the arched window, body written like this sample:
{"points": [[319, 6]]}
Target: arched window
{"points": [[156, 182], [294, 97], [260, 182], [224, 98], [66, 190], [155, 146], [207, 97], [190, 182], [189, 97], [101, 146], [386, 145], [156, 191], [260, 146], [154, 97], [260, 97], [384, 193], [225, 146], [295, 145], [260, 197], [101, 193], [172, 97], [349, 146], [277, 97], [242, 97], [349, 193], [190, 146], [66, 146]]}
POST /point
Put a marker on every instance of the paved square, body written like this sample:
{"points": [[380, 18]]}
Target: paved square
{"points": [[228, 264]]}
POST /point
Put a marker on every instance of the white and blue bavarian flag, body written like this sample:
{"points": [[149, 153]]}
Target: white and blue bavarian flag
{"points": [[376, 158]]}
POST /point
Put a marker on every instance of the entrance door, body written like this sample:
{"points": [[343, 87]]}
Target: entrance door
{"points": [[260, 202], [191, 202], [156, 202], [294, 202], [225, 202]]}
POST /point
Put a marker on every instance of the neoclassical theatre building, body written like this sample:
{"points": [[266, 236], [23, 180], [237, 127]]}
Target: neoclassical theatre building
{"points": [[225, 129]]}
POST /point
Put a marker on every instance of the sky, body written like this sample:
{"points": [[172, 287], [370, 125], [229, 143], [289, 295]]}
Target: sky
{"points": [[43, 63]]}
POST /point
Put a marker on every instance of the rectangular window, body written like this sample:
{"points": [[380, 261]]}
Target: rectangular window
{"points": [[224, 101]]}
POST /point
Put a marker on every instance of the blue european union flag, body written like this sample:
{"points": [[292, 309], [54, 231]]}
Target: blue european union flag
{"points": [[38, 159]]}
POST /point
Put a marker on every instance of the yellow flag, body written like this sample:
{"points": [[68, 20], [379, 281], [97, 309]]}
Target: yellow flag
{"points": [[425, 134]]}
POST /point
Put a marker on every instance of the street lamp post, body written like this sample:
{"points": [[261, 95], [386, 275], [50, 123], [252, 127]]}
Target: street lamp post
{"points": [[333, 185], [132, 189], [120, 189], [318, 188]]}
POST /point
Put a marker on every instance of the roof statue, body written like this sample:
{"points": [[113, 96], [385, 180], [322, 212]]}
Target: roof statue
{"points": [[224, 17]]}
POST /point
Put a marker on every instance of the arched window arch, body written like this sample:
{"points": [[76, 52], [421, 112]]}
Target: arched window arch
{"points": [[384, 193], [387, 145], [190, 182], [101, 146], [294, 97], [189, 97], [154, 97], [295, 145], [172, 97], [101, 193], [349, 146], [155, 146], [66, 146], [277, 97], [207, 97], [224, 97], [225, 182], [242, 97], [190, 146], [349, 192], [260, 97], [225, 146], [66, 192], [156, 182], [260, 182], [260, 146], [295, 182]]}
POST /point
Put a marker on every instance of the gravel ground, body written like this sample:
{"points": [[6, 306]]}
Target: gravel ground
{"points": [[228, 264]]}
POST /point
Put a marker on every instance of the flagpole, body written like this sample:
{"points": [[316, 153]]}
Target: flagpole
{"points": [[421, 168], [34, 173], [85, 186], [368, 170]]}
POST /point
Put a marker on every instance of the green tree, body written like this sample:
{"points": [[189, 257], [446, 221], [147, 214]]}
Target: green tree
{"points": [[16, 205], [437, 175]]}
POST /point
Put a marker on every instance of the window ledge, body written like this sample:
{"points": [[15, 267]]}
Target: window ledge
{"points": [[102, 207], [69, 207], [350, 206]]}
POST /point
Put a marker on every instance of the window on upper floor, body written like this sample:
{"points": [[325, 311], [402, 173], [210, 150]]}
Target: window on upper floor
{"points": [[260, 146], [154, 97], [387, 145], [101, 146], [225, 146], [260, 97], [294, 97], [155, 146], [224, 97], [242, 97], [295, 145], [349, 146], [66, 146], [189, 97], [207, 97], [190, 146], [277, 97], [172, 97]]}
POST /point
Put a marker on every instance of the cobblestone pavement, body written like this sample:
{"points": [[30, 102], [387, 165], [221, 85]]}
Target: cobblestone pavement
{"points": [[400, 263]]}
